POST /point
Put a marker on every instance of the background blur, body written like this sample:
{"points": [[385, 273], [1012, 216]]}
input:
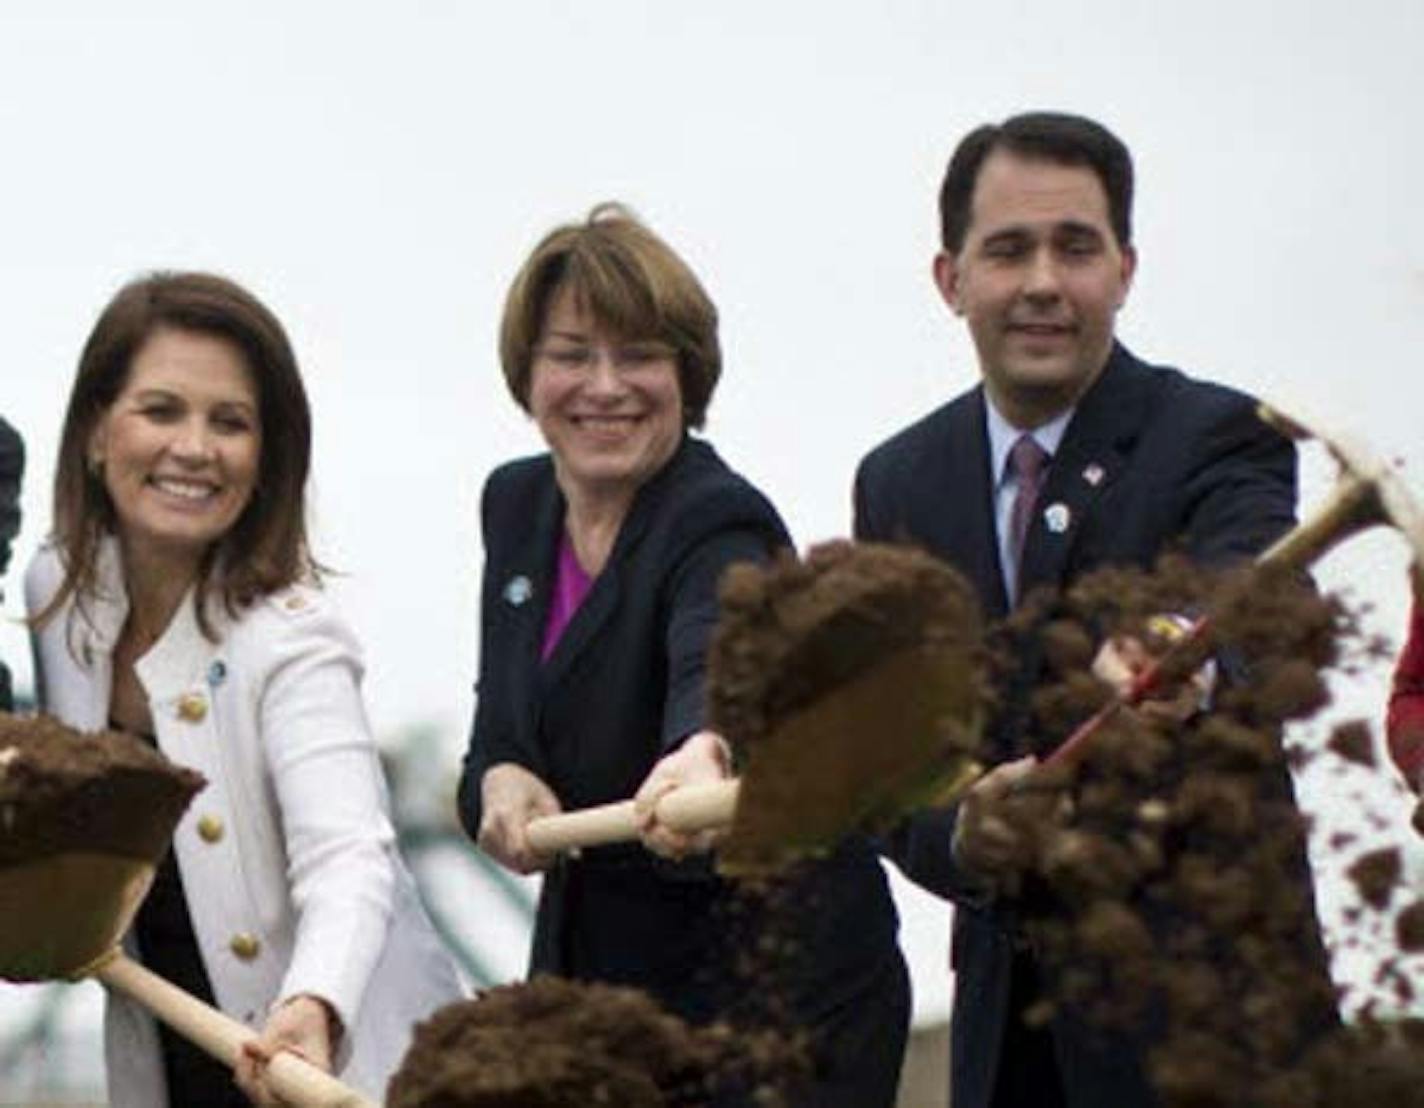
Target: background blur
{"points": [[376, 171]]}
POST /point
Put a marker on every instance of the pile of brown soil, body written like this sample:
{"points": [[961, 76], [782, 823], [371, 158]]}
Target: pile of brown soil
{"points": [[1368, 1065], [851, 686], [62, 792], [551, 1043], [1165, 884]]}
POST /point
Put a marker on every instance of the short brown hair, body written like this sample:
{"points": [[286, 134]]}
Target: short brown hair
{"points": [[631, 282], [266, 548], [1050, 136]]}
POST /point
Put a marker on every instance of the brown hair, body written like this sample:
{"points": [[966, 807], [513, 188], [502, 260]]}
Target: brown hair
{"points": [[631, 282], [266, 548], [1051, 136]]}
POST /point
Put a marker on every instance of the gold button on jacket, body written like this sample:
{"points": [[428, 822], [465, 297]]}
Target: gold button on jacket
{"points": [[210, 829], [192, 708], [245, 946]]}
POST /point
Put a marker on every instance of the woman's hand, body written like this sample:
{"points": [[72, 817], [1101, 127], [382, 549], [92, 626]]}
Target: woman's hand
{"points": [[306, 1026], [510, 797], [702, 759]]}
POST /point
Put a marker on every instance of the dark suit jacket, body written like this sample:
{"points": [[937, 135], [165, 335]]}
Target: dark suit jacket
{"points": [[623, 686], [12, 467], [1151, 460]]}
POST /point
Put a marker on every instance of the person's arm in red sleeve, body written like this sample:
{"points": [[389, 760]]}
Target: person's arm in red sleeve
{"points": [[1405, 724]]}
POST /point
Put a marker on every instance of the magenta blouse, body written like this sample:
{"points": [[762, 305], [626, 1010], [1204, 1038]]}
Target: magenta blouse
{"points": [[571, 585]]}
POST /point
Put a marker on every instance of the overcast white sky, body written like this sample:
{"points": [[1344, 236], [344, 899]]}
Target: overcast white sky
{"points": [[377, 171]]}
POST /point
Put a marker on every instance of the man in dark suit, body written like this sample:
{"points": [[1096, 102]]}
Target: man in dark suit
{"points": [[12, 467], [1071, 454]]}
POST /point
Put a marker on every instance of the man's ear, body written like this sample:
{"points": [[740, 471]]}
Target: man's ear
{"points": [[946, 279], [1129, 269]]}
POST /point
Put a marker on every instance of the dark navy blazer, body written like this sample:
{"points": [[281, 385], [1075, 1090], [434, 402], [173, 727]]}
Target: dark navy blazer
{"points": [[624, 685], [1152, 460], [12, 467]]}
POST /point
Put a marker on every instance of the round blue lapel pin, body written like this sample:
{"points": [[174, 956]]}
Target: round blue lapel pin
{"points": [[518, 590]]}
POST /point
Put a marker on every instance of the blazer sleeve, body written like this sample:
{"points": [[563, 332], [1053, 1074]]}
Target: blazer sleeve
{"points": [[920, 845], [693, 610], [1240, 495], [332, 800], [494, 737]]}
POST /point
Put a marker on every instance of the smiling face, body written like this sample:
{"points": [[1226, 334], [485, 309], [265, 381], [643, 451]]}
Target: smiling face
{"points": [[180, 446], [609, 408], [1039, 280]]}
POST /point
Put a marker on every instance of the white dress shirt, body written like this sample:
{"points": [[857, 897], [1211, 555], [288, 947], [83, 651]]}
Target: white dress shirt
{"points": [[1002, 436]]}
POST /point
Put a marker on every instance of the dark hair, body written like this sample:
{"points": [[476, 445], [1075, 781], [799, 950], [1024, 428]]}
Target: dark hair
{"points": [[630, 281], [1049, 136], [266, 548]]}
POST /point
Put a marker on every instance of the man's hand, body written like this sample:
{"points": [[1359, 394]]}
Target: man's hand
{"points": [[511, 796], [988, 841], [702, 759], [1123, 658], [306, 1026]]}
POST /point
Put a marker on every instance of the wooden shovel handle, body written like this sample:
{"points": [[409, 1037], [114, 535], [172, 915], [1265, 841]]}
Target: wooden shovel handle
{"points": [[688, 809], [294, 1080]]}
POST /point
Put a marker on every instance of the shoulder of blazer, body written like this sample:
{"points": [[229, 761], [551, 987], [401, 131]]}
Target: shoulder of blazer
{"points": [[928, 432], [12, 450], [510, 486], [699, 495], [1133, 393], [924, 440], [79, 626], [292, 622], [43, 577]]}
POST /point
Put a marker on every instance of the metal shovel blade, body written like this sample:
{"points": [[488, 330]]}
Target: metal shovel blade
{"points": [[65, 912]]}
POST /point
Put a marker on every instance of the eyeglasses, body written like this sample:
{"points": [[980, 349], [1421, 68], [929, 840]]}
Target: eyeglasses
{"points": [[584, 356]]}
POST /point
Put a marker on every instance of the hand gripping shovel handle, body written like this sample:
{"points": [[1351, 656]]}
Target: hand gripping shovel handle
{"points": [[1367, 493], [296, 1081], [688, 809]]}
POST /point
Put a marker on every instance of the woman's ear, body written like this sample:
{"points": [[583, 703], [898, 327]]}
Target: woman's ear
{"points": [[98, 447]]}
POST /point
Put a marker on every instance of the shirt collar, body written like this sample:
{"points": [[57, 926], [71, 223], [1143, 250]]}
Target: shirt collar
{"points": [[1003, 435]]}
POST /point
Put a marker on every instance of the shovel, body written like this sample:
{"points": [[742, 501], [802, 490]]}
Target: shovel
{"points": [[854, 683], [64, 915], [1368, 492]]}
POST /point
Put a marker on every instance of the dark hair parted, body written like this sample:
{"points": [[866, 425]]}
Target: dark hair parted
{"points": [[630, 282], [1048, 136], [266, 548]]}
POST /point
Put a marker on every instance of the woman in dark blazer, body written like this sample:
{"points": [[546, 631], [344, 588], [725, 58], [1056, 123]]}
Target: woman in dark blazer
{"points": [[599, 597]]}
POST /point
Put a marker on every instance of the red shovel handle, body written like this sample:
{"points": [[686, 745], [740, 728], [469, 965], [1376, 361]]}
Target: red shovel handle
{"points": [[1143, 685]]}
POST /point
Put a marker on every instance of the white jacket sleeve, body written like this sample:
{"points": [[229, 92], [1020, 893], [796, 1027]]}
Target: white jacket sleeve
{"points": [[331, 794]]}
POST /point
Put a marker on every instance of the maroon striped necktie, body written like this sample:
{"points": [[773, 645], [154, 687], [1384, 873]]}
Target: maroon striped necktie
{"points": [[1028, 462]]}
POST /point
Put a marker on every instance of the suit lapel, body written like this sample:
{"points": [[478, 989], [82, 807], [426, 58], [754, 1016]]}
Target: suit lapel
{"points": [[1094, 452], [527, 583], [602, 600]]}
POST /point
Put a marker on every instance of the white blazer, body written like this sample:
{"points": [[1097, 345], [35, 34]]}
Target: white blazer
{"points": [[288, 857]]}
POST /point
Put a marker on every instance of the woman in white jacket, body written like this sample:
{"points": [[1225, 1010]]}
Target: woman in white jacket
{"points": [[177, 600]]}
